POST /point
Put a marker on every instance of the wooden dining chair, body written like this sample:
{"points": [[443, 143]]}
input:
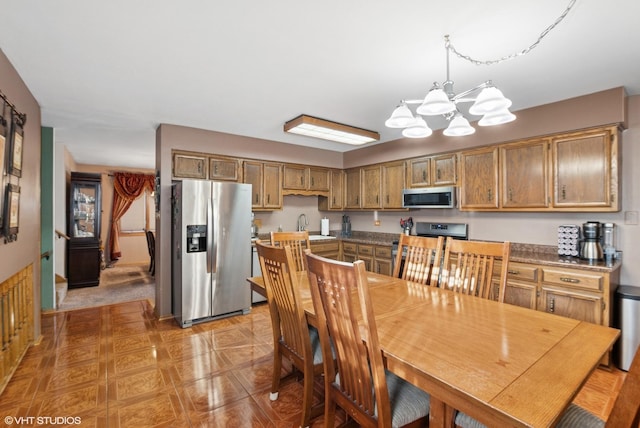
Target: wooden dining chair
{"points": [[624, 413], [468, 267], [418, 259], [293, 338], [298, 241], [371, 395]]}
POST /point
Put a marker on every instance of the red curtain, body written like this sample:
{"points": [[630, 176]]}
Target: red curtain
{"points": [[127, 187]]}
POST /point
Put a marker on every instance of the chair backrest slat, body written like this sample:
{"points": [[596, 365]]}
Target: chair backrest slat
{"points": [[298, 241], [468, 268], [418, 259]]}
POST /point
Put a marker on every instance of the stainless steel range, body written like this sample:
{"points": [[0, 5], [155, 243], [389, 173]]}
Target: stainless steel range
{"points": [[434, 230]]}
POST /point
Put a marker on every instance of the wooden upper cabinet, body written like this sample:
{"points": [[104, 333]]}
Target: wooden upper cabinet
{"points": [[352, 178], [525, 182], [393, 182], [252, 174], [265, 181], [445, 171], [223, 169], [189, 166], [272, 186], [336, 198], [319, 179], [295, 177], [432, 171], [305, 178], [371, 187], [419, 174], [585, 170], [479, 179]]}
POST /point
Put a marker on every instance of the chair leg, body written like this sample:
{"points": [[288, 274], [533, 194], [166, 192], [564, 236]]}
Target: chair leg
{"points": [[307, 397], [277, 369]]}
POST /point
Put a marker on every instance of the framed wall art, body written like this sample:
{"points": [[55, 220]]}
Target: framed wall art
{"points": [[15, 148], [11, 212], [3, 172]]}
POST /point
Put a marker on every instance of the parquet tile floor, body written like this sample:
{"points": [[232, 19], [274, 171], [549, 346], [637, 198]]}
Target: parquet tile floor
{"points": [[117, 366]]}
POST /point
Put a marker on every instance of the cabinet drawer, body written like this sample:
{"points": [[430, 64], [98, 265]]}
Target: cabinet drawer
{"points": [[365, 250], [383, 252], [571, 278], [324, 247], [522, 271], [349, 247]]}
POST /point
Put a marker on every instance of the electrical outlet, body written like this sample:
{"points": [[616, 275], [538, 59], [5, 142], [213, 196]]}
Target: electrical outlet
{"points": [[631, 217], [376, 223]]}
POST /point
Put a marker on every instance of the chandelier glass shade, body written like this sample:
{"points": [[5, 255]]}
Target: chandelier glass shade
{"points": [[488, 102]]}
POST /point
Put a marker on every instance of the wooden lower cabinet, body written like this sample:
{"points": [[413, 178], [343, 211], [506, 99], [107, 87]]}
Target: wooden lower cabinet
{"points": [[377, 258], [575, 292], [330, 249]]}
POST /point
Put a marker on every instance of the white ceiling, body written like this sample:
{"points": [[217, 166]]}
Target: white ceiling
{"points": [[106, 73]]}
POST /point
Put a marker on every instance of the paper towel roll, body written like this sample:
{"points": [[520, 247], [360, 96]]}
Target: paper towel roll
{"points": [[324, 227]]}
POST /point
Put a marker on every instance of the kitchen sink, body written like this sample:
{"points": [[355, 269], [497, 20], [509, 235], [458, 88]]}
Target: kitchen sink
{"points": [[319, 237]]}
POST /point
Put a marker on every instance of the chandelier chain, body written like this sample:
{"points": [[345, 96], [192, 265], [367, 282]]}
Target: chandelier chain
{"points": [[525, 51]]}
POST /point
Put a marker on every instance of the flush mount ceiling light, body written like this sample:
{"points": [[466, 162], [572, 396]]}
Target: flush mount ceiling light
{"points": [[488, 101], [327, 130]]}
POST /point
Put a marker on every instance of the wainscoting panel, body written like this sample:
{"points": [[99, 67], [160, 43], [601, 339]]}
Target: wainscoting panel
{"points": [[16, 321]]}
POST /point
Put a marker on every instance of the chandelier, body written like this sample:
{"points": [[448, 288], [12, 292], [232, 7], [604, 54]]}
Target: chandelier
{"points": [[488, 101]]}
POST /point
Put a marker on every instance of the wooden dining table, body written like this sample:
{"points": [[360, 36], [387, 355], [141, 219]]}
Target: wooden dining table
{"points": [[502, 364]]}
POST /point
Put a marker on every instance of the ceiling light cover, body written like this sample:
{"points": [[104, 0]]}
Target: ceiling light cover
{"points": [[419, 129], [497, 118], [400, 118], [435, 103], [459, 127], [327, 130], [490, 100]]}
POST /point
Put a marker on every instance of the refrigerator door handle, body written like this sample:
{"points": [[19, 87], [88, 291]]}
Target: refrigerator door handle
{"points": [[210, 248]]}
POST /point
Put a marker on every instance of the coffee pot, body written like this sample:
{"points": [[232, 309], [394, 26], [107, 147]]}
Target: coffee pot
{"points": [[590, 247]]}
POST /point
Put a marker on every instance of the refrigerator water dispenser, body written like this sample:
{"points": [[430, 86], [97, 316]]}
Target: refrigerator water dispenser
{"points": [[196, 238]]}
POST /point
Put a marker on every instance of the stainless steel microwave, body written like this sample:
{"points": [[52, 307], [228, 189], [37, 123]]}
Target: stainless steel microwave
{"points": [[429, 197]]}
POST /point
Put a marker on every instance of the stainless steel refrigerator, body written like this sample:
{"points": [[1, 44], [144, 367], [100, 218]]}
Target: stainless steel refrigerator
{"points": [[211, 228]]}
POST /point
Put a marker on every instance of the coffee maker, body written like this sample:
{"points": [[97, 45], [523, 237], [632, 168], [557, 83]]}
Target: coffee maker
{"points": [[590, 247]]}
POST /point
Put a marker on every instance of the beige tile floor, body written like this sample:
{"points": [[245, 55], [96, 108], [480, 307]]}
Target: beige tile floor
{"points": [[117, 366]]}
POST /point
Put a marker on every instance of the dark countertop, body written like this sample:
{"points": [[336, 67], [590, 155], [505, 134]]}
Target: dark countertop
{"points": [[546, 255]]}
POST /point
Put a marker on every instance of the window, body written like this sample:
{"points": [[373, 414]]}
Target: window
{"points": [[139, 216]]}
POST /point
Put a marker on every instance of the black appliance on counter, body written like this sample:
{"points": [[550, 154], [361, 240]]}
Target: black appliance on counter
{"points": [[434, 230]]}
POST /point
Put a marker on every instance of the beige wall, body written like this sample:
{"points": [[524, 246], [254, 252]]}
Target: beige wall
{"points": [[605, 107], [24, 252]]}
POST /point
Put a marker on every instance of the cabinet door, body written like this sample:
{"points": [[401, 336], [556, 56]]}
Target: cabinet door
{"points": [[582, 169], [353, 188], [419, 172], [392, 184], [524, 175], [371, 187], [223, 169], [382, 261], [336, 191], [83, 266], [189, 166], [252, 174], [272, 197], [444, 170], [576, 304], [319, 179], [479, 176], [520, 293], [295, 177]]}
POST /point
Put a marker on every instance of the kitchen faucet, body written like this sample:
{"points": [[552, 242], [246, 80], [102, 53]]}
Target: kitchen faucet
{"points": [[302, 222]]}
